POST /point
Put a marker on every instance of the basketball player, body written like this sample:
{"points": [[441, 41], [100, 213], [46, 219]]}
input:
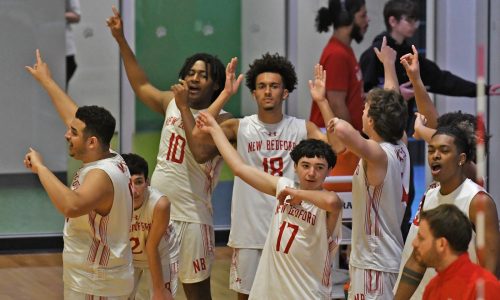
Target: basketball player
{"points": [[380, 185], [97, 261], [187, 184], [264, 140], [295, 262], [154, 248], [448, 152]]}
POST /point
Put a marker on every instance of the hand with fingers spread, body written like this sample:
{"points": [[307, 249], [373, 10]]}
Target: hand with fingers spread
{"points": [[420, 122], [407, 91], [206, 122], [289, 195], [318, 86], [40, 70], [411, 64], [180, 91], [232, 83], [33, 160], [115, 24], [386, 54]]}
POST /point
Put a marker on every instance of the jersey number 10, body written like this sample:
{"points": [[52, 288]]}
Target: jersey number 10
{"points": [[176, 141]]}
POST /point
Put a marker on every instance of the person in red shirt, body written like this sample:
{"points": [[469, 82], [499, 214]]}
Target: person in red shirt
{"points": [[442, 242], [344, 83]]}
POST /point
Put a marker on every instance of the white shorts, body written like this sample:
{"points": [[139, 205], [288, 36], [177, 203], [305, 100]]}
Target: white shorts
{"points": [[73, 295], [143, 284], [243, 269], [197, 249], [370, 284]]}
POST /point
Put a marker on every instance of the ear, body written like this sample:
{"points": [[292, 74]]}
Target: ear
{"points": [[253, 96], [393, 21], [462, 159], [441, 244], [285, 94], [93, 142]]}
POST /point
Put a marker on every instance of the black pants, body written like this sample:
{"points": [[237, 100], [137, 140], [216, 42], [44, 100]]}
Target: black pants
{"points": [[70, 68]]}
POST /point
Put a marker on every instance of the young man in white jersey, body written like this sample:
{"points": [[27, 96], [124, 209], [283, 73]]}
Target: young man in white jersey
{"points": [[187, 184], [264, 140], [97, 261], [449, 152], [154, 247], [380, 186], [296, 259]]}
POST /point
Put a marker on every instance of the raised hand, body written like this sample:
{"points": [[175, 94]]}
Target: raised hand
{"points": [[411, 65], [420, 122], [232, 83], [317, 87], [386, 54], [115, 24], [288, 196], [40, 70], [180, 91], [206, 122], [33, 160]]}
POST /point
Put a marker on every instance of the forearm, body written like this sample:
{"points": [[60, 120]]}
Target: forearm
{"points": [[325, 200], [155, 269], [390, 77], [327, 114], [216, 107], [198, 142], [410, 279], [60, 195], [424, 133], [425, 106], [64, 105]]}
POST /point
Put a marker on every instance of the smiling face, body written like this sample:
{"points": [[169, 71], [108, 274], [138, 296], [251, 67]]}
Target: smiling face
{"points": [[269, 91], [312, 172], [77, 139], [201, 86], [444, 160]]}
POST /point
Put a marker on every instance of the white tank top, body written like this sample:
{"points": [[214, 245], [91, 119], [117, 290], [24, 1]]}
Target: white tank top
{"points": [[377, 213], [139, 232], [187, 184], [460, 197], [296, 260], [97, 257], [266, 147]]}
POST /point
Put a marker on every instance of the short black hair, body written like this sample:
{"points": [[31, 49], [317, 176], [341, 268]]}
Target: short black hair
{"points": [[137, 165], [214, 66], [272, 63], [398, 9], [460, 139], [337, 14], [314, 148], [450, 222], [389, 112], [98, 122]]}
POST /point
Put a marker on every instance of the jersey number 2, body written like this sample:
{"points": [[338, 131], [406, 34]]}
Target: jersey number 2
{"points": [[135, 243], [176, 141], [295, 229]]}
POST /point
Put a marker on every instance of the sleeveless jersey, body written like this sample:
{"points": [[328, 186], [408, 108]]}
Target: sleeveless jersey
{"points": [[296, 259], [139, 231], [97, 257], [266, 147], [377, 213], [187, 184], [461, 198]]}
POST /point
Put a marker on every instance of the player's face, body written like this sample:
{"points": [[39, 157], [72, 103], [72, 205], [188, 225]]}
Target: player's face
{"points": [[139, 183], [77, 141], [444, 159], [269, 91], [312, 172], [405, 27], [200, 85], [360, 25], [424, 246]]}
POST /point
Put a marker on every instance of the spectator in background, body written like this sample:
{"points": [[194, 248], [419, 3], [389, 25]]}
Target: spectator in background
{"points": [[72, 16]]}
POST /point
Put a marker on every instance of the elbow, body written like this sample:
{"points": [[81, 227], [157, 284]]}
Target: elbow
{"points": [[342, 130], [335, 204]]}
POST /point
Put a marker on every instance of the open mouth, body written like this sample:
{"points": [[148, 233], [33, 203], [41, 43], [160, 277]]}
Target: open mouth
{"points": [[435, 168], [194, 90]]}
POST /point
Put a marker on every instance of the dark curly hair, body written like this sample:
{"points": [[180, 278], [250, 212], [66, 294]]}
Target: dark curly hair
{"points": [[337, 14], [273, 63], [461, 140], [314, 148], [389, 113], [98, 122], [217, 71], [136, 164]]}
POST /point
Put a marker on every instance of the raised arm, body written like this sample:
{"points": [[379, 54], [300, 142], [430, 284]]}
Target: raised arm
{"points": [[424, 103], [387, 57], [422, 132], [161, 218], [151, 96], [317, 89], [258, 179], [95, 193], [63, 103]]}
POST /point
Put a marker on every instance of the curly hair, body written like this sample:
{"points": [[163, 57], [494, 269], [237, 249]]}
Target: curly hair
{"points": [[216, 71], [98, 122], [389, 113], [272, 63], [461, 140], [336, 14], [314, 148]]}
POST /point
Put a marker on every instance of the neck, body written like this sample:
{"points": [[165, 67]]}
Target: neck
{"points": [[451, 185], [446, 261], [96, 156], [343, 34], [199, 105], [397, 37], [270, 117]]}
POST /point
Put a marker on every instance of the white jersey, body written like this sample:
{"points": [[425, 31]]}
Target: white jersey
{"points": [[266, 147], [96, 256], [187, 184], [461, 198], [377, 213], [296, 260], [139, 231]]}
